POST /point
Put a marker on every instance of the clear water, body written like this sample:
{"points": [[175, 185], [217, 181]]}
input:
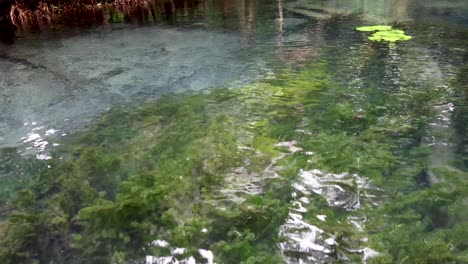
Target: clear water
{"points": [[239, 132]]}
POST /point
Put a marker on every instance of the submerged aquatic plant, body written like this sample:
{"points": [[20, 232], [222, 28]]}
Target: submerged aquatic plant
{"points": [[162, 172], [166, 172], [385, 33]]}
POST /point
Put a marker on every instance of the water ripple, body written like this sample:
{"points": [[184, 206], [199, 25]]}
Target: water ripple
{"points": [[308, 243]]}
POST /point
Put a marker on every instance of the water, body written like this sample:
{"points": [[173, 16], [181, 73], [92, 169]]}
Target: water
{"points": [[238, 132]]}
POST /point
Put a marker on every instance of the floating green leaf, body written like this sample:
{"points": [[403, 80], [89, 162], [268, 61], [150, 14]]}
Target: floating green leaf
{"points": [[390, 36], [385, 33], [374, 28]]}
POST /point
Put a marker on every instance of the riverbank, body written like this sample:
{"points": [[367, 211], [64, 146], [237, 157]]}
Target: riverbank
{"points": [[37, 15]]}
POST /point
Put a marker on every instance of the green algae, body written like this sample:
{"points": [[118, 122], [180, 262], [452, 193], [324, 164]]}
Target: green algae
{"points": [[157, 172]]}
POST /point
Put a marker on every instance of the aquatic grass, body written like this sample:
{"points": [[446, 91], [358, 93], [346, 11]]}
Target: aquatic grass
{"points": [[381, 142], [149, 173], [423, 223], [158, 171]]}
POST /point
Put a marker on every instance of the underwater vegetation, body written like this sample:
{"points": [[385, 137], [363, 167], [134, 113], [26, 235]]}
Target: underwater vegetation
{"points": [[385, 33], [216, 170]]}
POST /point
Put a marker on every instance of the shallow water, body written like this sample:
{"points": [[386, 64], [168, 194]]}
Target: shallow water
{"points": [[239, 132]]}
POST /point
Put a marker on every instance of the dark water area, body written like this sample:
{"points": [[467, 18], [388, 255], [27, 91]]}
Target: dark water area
{"points": [[237, 132]]}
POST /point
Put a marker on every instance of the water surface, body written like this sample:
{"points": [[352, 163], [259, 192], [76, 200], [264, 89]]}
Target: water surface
{"points": [[239, 132]]}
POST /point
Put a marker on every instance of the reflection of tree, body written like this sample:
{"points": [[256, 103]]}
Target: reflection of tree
{"points": [[91, 12], [400, 11], [376, 11], [7, 29], [247, 20], [302, 54]]}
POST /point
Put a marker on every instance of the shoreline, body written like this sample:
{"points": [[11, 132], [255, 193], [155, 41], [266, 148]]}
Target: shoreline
{"points": [[28, 16]]}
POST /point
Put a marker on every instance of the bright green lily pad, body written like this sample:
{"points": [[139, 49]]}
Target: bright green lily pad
{"points": [[385, 33], [390, 36], [374, 28]]}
